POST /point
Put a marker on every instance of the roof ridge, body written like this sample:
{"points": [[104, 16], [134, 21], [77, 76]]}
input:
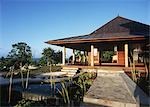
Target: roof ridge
{"points": [[120, 28], [103, 25], [133, 20], [113, 20]]}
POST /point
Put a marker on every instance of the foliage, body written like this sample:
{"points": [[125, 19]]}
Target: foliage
{"points": [[29, 103], [67, 92], [57, 57], [107, 56], [143, 82], [78, 53], [35, 62], [3, 64], [42, 61], [11, 73], [133, 70], [146, 57], [50, 57], [48, 54], [20, 53], [64, 93], [79, 86], [80, 56], [6, 63], [83, 82]]}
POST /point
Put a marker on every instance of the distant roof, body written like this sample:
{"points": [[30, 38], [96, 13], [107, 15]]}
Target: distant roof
{"points": [[117, 29]]}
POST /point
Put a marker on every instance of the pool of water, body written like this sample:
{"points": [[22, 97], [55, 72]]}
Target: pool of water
{"points": [[38, 90], [41, 89]]}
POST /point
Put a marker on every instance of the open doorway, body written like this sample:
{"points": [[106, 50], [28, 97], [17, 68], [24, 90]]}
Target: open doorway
{"points": [[109, 56]]}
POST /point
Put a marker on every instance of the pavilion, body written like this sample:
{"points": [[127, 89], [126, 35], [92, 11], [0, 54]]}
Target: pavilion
{"points": [[125, 37]]}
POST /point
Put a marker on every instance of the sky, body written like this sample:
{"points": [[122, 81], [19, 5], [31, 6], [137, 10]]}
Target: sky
{"points": [[37, 21]]}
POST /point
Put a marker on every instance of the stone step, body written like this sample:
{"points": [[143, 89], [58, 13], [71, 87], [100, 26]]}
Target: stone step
{"points": [[107, 74], [71, 68], [109, 71], [68, 70]]}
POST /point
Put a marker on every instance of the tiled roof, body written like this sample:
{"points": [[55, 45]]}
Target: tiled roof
{"points": [[119, 27]]}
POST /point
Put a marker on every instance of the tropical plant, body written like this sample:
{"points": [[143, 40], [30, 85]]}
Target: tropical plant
{"points": [[42, 61], [52, 81], [48, 55], [11, 74], [107, 56], [134, 71], [146, 57], [78, 53], [58, 57], [2, 64], [64, 93], [81, 57], [75, 88], [83, 81], [6, 63], [21, 52]]}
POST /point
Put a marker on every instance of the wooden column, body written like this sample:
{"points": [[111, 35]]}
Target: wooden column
{"points": [[92, 55], [73, 56], [99, 54], [86, 58], [63, 55], [126, 54]]}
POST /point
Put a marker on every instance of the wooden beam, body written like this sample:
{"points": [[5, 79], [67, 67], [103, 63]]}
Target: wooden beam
{"points": [[64, 55], [95, 40], [92, 55], [126, 54]]}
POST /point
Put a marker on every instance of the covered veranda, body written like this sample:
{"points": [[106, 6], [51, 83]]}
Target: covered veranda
{"points": [[124, 39], [92, 50]]}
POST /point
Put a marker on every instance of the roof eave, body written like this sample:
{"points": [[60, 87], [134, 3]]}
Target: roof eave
{"points": [[59, 42]]}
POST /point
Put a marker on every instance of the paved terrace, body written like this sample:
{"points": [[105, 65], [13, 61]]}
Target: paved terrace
{"points": [[116, 90]]}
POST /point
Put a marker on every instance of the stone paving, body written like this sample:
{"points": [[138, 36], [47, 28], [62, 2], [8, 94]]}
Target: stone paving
{"points": [[110, 90]]}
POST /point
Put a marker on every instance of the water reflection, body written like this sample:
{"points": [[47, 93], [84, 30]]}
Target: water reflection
{"points": [[15, 97]]}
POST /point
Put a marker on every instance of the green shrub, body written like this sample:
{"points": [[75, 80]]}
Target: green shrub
{"points": [[30, 103]]}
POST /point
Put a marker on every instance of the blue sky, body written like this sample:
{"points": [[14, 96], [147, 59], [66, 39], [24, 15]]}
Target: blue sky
{"points": [[37, 21]]}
